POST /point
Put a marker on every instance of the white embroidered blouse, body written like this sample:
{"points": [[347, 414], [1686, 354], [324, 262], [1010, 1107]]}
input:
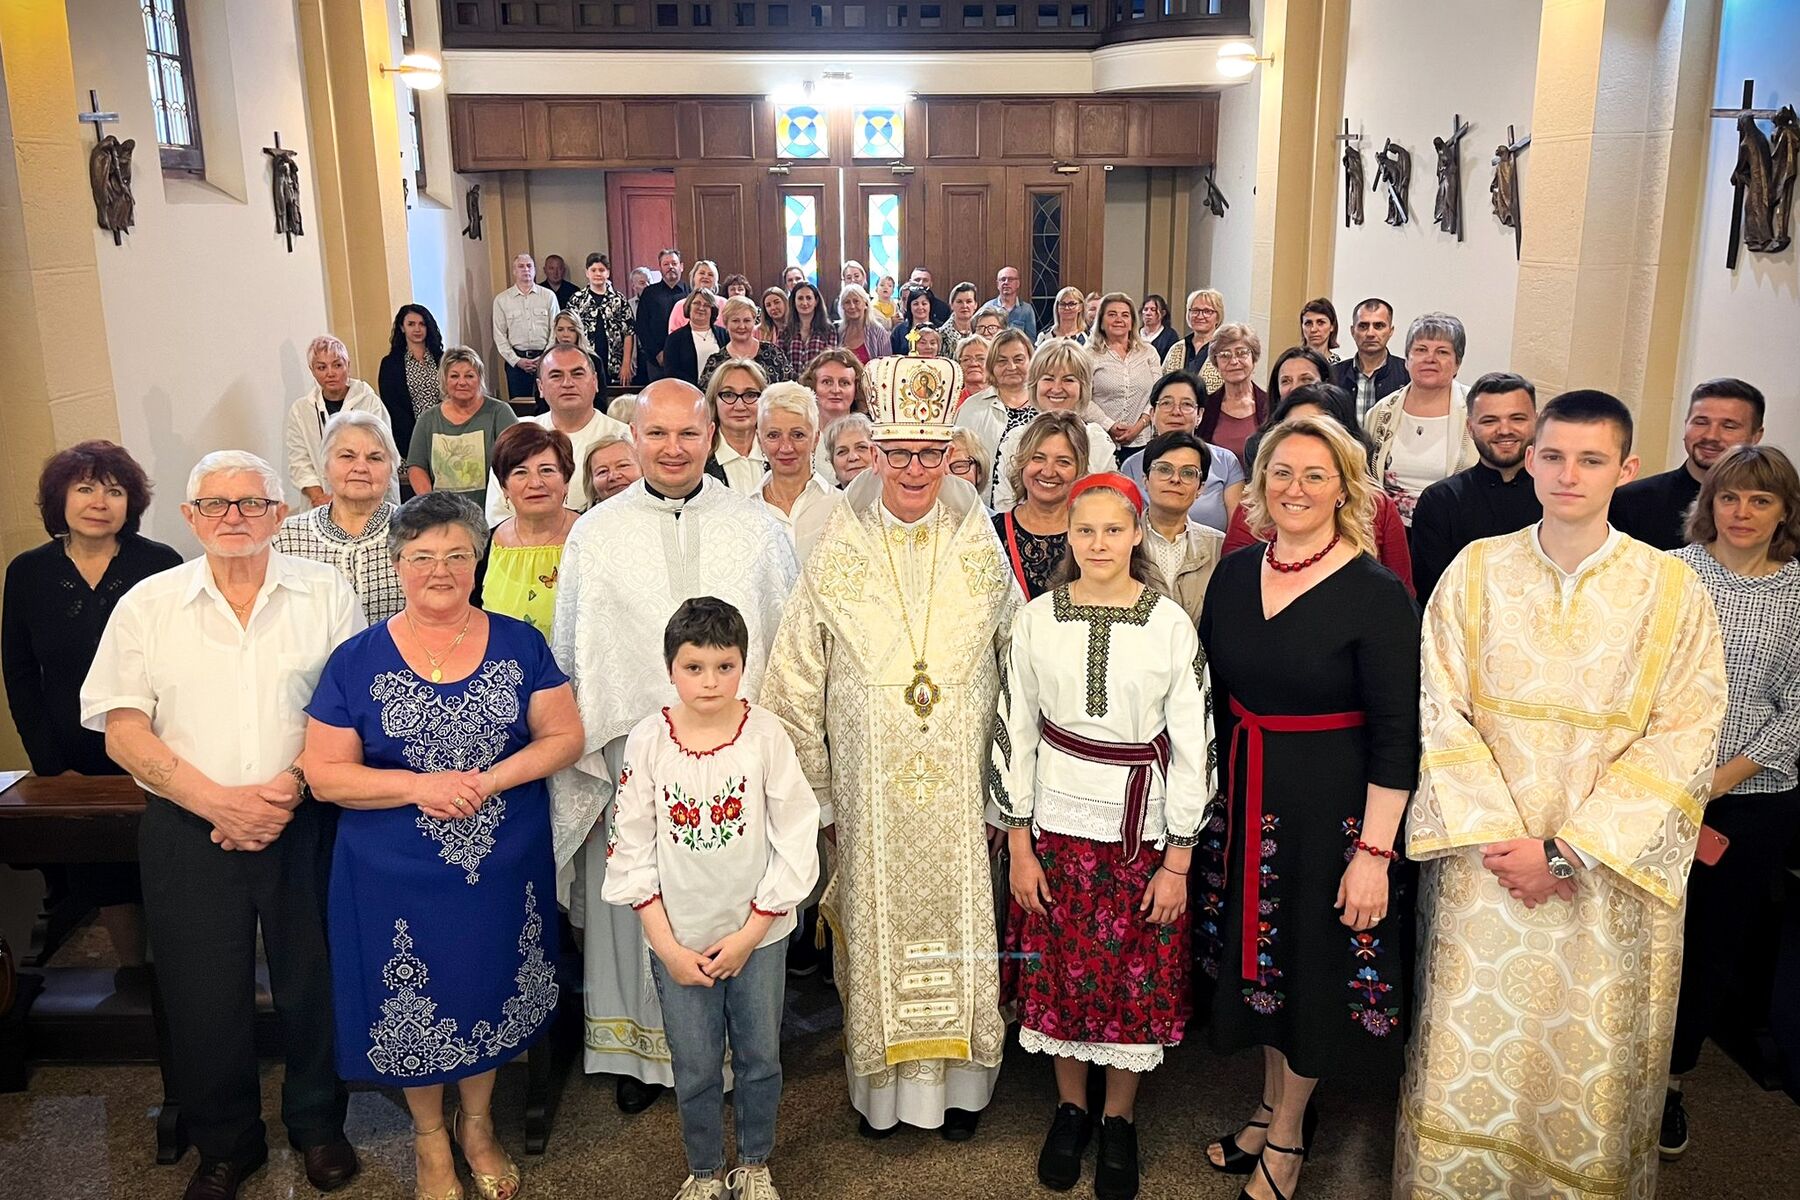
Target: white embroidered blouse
{"points": [[715, 834]]}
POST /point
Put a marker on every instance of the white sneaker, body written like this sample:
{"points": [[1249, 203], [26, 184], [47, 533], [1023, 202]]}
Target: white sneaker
{"points": [[752, 1183], [701, 1189]]}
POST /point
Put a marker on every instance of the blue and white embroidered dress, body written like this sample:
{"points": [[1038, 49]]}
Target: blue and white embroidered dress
{"points": [[443, 935]]}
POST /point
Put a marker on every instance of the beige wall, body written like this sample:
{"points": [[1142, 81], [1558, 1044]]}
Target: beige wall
{"points": [[207, 314], [568, 217], [1127, 231]]}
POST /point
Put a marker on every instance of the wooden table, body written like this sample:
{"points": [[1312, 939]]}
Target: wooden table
{"points": [[94, 818]]}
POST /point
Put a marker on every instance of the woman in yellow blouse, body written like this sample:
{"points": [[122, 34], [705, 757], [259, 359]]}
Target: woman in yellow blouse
{"points": [[518, 576]]}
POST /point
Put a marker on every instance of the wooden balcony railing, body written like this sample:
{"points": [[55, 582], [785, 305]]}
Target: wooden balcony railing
{"points": [[833, 25]]}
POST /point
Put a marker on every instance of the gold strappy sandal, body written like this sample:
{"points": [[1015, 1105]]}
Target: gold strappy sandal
{"points": [[454, 1191], [504, 1186]]}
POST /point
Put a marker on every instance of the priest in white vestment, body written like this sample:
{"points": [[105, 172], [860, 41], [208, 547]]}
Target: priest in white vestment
{"points": [[628, 564], [886, 673], [1573, 688]]}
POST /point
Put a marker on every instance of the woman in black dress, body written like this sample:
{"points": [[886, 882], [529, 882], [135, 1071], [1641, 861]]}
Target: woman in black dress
{"points": [[58, 598], [1314, 649], [1052, 454], [408, 378]]}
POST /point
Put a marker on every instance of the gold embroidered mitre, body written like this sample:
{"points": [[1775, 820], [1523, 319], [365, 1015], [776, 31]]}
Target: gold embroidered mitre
{"points": [[913, 399]]}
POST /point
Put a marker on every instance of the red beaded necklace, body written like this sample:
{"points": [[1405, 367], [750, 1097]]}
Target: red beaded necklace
{"points": [[1290, 568]]}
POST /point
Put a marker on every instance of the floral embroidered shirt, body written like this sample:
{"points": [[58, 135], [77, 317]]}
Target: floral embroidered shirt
{"points": [[713, 832]]}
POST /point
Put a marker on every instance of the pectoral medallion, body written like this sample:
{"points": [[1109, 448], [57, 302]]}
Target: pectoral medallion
{"points": [[921, 694]]}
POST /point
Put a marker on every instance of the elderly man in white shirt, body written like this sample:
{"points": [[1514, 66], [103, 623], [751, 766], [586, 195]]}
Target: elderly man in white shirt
{"points": [[524, 322], [200, 684], [333, 392], [568, 383]]}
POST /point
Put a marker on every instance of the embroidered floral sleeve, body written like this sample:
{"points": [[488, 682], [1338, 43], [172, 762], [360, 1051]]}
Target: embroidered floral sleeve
{"points": [[793, 822], [631, 875]]}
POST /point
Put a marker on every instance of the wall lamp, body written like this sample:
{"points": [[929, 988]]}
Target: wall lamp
{"points": [[421, 72], [1238, 59]]}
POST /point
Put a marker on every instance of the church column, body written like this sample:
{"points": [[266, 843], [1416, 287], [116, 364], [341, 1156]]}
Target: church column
{"points": [[59, 386], [358, 169], [1611, 200], [1301, 98], [508, 235]]}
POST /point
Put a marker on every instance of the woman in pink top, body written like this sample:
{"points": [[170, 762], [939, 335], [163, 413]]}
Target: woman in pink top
{"points": [[1238, 409]]}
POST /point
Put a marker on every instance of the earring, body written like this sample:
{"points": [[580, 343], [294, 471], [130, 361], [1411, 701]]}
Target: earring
{"points": [[1340, 502]]}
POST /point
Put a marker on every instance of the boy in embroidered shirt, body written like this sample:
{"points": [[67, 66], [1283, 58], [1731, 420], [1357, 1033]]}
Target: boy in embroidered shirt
{"points": [[713, 844]]}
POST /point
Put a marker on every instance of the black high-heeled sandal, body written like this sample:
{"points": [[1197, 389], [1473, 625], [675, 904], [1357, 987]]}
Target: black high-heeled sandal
{"points": [[1238, 1161], [1302, 1151]]}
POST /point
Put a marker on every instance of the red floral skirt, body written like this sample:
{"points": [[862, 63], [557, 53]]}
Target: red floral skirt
{"points": [[1095, 969]]}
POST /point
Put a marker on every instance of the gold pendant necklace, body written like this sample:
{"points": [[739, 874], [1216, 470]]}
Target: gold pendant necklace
{"points": [[436, 660], [921, 694]]}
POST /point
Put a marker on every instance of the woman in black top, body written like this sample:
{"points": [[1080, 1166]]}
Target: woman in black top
{"points": [[1034, 534], [58, 598], [408, 379]]}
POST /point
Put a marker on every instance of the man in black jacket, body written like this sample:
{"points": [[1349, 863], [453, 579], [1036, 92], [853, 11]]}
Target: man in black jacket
{"points": [[1493, 497], [1722, 413], [1373, 372], [655, 303]]}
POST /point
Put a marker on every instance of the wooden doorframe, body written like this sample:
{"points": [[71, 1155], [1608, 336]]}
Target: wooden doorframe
{"points": [[1084, 221], [825, 184], [621, 186]]}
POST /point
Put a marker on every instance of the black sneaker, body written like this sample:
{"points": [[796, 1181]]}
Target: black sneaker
{"points": [[1116, 1166], [1673, 1142], [1059, 1162], [803, 952]]}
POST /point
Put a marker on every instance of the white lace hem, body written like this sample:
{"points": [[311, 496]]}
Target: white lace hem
{"points": [[1105, 1054], [1095, 820]]}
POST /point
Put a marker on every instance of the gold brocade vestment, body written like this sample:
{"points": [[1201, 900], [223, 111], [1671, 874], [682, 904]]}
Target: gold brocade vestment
{"points": [[1585, 707], [911, 901]]}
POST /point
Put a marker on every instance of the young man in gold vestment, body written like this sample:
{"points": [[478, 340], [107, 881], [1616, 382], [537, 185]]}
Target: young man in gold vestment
{"points": [[1573, 687]]}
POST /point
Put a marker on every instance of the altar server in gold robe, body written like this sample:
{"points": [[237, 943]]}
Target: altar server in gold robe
{"points": [[1573, 689], [885, 671]]}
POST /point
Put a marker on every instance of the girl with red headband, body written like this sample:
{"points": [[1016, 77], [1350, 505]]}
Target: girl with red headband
{"points": [[1105, 775]]}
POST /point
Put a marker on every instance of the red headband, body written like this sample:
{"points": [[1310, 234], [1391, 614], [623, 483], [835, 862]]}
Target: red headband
{"points": [[1113, 480]]}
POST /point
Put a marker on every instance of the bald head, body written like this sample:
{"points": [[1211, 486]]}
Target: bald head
{"points": [[673, 430]]}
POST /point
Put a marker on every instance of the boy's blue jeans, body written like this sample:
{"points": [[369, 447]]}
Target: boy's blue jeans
{"points": [[697, 1020]]}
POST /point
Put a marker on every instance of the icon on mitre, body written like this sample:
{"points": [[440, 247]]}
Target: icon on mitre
{"points": [[913, 399]]}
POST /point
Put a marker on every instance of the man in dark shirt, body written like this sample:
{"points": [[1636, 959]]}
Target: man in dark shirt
{"points": [[1372, 373], [1722, 413], [1493, 497], [655, 303], [556, 278]]}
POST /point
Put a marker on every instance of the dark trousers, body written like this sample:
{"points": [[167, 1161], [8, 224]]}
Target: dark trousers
{"points": [[521, 385], [1761, 827], [202, 906]]}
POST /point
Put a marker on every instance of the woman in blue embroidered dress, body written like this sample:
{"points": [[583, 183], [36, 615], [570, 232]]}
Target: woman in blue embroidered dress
{"points": [[435, 731]]}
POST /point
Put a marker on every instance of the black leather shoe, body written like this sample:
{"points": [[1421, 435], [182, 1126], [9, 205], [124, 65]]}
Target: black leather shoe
{"points": [[331, 1166], [959, 1124], [1672, 1143], [1059, 1162], [219, 1179], [634, 1095], [1116, 1165], [864, 1129]]}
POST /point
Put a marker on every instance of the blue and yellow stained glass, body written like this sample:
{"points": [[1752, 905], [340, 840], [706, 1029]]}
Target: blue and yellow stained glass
{"points": [[880, 132], [799, 132], [800, 219], [884, 235]]}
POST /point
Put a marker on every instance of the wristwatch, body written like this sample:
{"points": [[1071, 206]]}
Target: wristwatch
{"points": [[299, 779], [1560, 867]]}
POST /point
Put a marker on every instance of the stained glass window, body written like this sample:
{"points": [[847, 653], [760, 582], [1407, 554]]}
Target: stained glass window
{"points": [[884, 236], [1046, 255], [800, 219], [799, 132], [171, 83], [880, 132]]}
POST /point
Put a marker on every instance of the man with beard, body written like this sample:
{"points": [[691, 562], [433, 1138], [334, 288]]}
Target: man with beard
{"points": [[1492, 497], [1722, 413], [654, 304], [627, 566]]}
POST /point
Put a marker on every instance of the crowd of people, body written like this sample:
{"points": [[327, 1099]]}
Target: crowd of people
{"points": [[861, 606]]}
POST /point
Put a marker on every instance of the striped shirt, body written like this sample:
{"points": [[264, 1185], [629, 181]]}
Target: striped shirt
{"points": [[1759, 617]]}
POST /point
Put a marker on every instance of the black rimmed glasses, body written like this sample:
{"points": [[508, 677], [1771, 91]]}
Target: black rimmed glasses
{"points": [[931, 458], [215, 507]]}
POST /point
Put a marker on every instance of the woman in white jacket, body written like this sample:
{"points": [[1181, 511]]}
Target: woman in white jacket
{"points": [[333, 391]]}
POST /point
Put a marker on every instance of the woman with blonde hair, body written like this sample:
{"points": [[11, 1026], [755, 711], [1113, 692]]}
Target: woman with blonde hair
{"points": [[738, 318], [860, 330], [702, 277], [1051, 454], [787, 428], [1060, 379], [1125, 368], [1005, 403], [1193, 353], [1068, 319], [968, 459], [734, 394], [971, 356], [1314, 642]]}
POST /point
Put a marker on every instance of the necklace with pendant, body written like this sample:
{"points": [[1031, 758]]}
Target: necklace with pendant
{"points": [[921, 694], [437, 660]]}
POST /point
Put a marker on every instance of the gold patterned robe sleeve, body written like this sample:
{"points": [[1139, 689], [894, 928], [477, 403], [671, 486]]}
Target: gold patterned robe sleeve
{"points": [[794, 688], [1643, 816], [1462, 798]]}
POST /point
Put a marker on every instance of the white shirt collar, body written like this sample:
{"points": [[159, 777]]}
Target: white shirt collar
{"points": [[279, 574]]}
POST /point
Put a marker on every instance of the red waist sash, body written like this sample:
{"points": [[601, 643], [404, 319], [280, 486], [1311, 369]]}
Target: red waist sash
{"points": [[1252, 727], [1139, 756]]}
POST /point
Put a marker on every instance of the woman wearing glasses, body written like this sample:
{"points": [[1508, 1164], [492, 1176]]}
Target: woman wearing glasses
{"points": [[1193, 353], [1237, 409], [349, 531], [1070, 323], [1175, 408], [434, 731], [968, 459], [518, 575], [1183, 549], [732, 394]]}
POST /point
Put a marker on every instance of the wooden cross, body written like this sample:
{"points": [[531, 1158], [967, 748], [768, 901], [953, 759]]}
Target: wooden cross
{"points": [[1458, 127], [1352, 141], [1514, 144], [98, 120], [1737, 190]]}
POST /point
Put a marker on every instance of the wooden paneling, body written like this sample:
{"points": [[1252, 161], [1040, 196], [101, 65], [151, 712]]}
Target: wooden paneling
{"points": [[952, 129], [859, 184], [648, 132], [1173, 131], [1026, 129], [1101, 128], [640, 219], [492, 135], [726, 129], [572, 130], [718, 215], [965, 221], [823, 185], [1083, 196]]}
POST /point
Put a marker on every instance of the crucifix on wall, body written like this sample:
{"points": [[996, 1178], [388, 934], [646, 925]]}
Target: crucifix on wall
{"points": [[1763, 179], [109, 171], [1353, 175], [284, 184], [1448, 210], [1505, 185]]}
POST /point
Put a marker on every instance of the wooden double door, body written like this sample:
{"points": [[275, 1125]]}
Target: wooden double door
{"points": [[962, 222]]}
